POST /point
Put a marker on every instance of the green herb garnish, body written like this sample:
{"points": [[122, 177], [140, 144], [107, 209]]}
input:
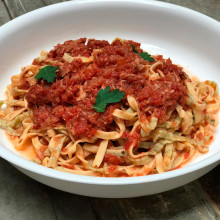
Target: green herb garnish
{"points": [[134, 49], [105, 97], [47, 73], [145, 55]]}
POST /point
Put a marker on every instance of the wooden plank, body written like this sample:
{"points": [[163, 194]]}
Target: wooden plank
{"points": [[211, 184], [32, 5], [69, 206], [4, 16], [19, 7], [210, 7], [15, 8], [106, 209], [21, 197], [188, 202], [50, 2]]}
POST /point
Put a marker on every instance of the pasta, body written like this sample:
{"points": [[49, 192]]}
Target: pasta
{"points": [[160, 121]]}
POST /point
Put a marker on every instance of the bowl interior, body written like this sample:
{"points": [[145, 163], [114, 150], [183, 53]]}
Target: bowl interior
{"points": [[188, 38]]}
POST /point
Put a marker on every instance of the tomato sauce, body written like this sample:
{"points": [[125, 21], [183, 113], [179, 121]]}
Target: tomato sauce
{"points": [[27, 150], [132, 139], [69, 100], [112, 159]]}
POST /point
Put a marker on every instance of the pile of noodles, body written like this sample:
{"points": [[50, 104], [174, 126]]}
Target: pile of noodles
{"points": [[162, 146]]}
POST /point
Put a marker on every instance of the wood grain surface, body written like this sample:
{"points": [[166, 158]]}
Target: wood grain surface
{"points": [[22, 198]]}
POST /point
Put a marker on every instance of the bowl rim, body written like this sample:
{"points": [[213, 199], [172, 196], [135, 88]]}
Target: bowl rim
{"points": [[47, 172]]}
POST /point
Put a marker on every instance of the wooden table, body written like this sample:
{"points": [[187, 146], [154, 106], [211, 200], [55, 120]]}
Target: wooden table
{"points": [[22, 198]]}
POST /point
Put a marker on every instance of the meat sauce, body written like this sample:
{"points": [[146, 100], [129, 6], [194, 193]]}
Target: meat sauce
{"points": [[69, 100]]}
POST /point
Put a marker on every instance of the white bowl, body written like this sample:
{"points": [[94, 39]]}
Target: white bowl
{"points": [[189, 38]]}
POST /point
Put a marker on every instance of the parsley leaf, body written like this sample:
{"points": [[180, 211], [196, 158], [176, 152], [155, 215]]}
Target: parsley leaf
{"points": [[145, 55], [105, 97], [47, 73], [134, 49]]}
